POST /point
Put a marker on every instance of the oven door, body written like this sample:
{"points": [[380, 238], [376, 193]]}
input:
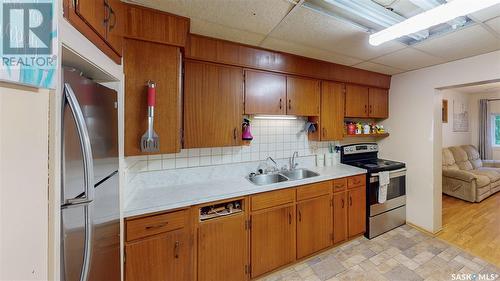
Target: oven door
{"points": [[396, 192]]}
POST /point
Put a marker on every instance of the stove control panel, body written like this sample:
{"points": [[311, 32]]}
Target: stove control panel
{"points": [[360, 148]]}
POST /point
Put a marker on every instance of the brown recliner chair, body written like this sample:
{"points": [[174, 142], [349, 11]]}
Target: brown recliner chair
{"points": [[466, 176]]}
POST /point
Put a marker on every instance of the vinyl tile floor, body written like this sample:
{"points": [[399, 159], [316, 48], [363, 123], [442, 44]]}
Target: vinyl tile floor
{"points": [[404, 253]]}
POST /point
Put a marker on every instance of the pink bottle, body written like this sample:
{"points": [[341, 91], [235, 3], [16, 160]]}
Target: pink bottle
{"points": [[246, 134]]}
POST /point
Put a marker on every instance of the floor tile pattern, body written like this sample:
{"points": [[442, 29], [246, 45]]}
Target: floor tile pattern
{"points": [[404, 253]]}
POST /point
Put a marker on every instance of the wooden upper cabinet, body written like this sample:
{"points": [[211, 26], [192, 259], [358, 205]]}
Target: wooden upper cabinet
{"points": [[357, 210], [115, 24], [272, 239], [339, 216], [332, 111], [213, 105], [378, 103], [314, 225], [265, 93], [356, 101], [156, 26], [165, 257], [93, 13], [223, 249], [160, 63], [303, 96]]}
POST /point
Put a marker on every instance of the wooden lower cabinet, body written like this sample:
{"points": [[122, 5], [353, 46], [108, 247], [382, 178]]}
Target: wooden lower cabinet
{"points": [[339, 217], [272, 239], [357, 210], [163, 257], [314, 225], [223, 249]]}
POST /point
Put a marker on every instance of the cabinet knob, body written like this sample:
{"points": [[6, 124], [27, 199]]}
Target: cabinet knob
{"points": [[176, 249]]}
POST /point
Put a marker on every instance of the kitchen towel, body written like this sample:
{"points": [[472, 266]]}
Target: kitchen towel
{"points": [[383, 181]]}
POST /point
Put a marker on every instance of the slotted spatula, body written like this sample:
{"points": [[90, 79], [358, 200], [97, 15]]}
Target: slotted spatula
{"points": [[150, 142]]}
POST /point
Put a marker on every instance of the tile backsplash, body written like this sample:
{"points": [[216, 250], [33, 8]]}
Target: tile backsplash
{"points": [[275, 138]]}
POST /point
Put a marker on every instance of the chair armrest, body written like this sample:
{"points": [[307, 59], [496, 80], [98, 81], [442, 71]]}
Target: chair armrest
{"points": [[491, 163], [459, 175]]}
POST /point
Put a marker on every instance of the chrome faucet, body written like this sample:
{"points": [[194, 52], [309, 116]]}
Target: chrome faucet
{"points": [[293, 165]]}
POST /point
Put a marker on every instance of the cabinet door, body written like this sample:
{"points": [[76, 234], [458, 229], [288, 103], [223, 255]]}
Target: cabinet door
{"points": [[357, 210], [160, 63], [272, 239], [303, 96], [115, 26], [223, 249], [332, 111], [93, 12], [339, 217], [213, 105], [164, 257], [356, 101], [314, 225], [265, 93], [379, 103]]}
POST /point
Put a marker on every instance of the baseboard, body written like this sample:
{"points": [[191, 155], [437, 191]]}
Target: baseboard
{"points": [[434, 234]]}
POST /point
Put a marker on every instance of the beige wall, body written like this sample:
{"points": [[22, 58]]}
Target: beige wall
{"points": [[451, 138], [23, 183], [415, 127]]}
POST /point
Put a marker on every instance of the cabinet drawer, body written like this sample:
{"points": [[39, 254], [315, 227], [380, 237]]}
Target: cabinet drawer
{"points": [[313, 190], [339, 184], [142, 227], [355, 181], [272, 199]]}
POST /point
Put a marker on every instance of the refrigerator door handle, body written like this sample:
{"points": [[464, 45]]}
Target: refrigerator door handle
{"points": [[83, 134], [84, 274]]}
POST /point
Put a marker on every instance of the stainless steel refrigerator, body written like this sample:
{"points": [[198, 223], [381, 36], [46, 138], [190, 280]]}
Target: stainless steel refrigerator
{"points": [[90, 214]]}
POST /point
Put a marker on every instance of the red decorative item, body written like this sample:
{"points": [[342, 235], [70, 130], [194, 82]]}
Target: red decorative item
{"points": [[351, 129]]}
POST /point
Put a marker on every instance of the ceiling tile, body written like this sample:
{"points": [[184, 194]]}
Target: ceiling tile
{"points": [[318, 30], [488, 13], [206, 28], [467, 42], [177, 7], [494, 24], [408, 59], [306, 51], [380, 68]]}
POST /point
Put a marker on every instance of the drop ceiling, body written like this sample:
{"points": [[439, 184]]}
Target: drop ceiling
{"points": [[295, 27]]}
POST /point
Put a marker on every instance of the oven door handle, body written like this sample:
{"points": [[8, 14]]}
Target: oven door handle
{"points": [[393, 174]]}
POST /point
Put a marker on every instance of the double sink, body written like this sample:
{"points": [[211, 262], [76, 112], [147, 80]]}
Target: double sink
{"points": [[296, 174]]}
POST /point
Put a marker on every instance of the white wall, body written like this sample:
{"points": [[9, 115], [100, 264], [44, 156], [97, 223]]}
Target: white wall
{"points": [[415, 122], [23, 183], [451, 138]]}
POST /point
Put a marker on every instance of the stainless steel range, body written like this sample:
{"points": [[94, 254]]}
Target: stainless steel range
{"points": [[390, 214]]}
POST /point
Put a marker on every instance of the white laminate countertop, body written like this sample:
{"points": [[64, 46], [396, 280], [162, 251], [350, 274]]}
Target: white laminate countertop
{"points": [[149, 199]]}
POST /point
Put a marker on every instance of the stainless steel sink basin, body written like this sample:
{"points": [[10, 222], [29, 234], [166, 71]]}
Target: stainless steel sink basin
{"points": [[267, 179], [299, 174]]}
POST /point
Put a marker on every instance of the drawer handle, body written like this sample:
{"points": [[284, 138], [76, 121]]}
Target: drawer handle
{"points": [[156, 226], [234, 133], [289, 218], [281, 101], [300, 216], [289, 104], [350, 201], [342, 203], [176, 249]]}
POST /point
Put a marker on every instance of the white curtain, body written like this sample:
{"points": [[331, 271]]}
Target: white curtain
{"points": [[484, 130]]}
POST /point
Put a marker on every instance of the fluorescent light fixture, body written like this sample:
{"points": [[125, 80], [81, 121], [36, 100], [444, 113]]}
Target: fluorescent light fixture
{"points": [[438, 15], [275, 117]]}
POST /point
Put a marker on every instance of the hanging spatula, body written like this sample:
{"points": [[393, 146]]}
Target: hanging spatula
{"points": [[150, 142]]}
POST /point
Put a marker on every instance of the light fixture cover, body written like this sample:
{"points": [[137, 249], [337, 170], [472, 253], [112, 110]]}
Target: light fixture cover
{"points": [[276, 117], [429, 18]]}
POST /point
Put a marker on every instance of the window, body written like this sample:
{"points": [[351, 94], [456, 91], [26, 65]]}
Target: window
{"points": [[495, 129]]}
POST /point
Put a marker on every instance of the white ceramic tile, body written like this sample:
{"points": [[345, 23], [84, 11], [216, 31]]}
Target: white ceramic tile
{"points": [[227, 158], [216, 159], [216, 150], [205, 151], [193, 161], [181, 162], [182, 154], [168, 164], [168, 156], [154, 165], [205, 160], [227, 150], [193, 152]]}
